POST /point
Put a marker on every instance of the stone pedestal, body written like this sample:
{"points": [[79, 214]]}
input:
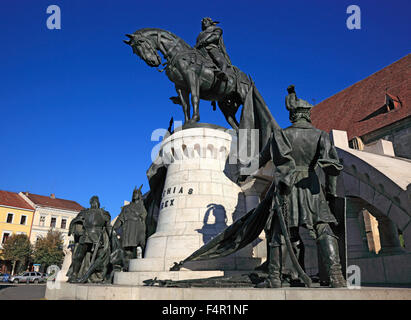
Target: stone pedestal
{"points": [[68, 291], [199, 201]]}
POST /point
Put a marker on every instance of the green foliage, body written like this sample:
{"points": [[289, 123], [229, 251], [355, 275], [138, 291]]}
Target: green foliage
{"points": [[17, 248], [48, 250]]}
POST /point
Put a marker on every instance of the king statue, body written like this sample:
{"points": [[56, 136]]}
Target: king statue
{"points": [[210, 42]]}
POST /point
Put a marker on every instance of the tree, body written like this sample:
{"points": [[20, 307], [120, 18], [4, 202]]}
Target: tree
{"points": [[17, 249], [48, 250]]}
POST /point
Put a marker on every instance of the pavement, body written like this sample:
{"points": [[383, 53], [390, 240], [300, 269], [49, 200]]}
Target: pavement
{"points": [[11, 291]]}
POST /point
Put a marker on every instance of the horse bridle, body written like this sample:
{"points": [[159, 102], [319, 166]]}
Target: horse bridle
{"points": [[168, 57]]}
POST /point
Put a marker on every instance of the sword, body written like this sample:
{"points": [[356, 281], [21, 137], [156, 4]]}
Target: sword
{"points": [[96, 247], [284, 209], [92, 267]]}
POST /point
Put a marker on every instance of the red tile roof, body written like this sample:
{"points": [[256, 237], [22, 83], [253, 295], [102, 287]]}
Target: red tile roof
{"points": [[12, 199], [344, 110], [45, 201]]}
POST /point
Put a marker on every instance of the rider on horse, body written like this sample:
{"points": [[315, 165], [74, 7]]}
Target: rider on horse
{"points": [[210, 42]]}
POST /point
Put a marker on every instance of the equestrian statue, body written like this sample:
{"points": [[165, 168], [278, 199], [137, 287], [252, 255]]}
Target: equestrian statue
{"points": [[205, 72]]}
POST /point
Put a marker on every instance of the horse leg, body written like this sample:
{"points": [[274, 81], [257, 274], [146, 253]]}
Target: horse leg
{"points": [[233, 122], [194, 83], [185, 102], [229, 116]]}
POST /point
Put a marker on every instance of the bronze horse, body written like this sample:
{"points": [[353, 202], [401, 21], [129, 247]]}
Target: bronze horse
{"points": [[191, 72]]}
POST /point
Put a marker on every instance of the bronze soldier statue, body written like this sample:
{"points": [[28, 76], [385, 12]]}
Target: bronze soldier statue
{"points": [[210, 42], [132, 220], [91, 229], [303, 200]]}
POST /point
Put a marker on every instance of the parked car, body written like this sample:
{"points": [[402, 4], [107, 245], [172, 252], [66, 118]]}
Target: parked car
{"points": [[27, 277], [4, 277], [45, 276]]}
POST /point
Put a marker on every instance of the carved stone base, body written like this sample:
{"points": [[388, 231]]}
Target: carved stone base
{"points": [[199, 201], [69, 291]]}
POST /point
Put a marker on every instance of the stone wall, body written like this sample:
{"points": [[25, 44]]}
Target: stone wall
{"points": [[399, 134]]}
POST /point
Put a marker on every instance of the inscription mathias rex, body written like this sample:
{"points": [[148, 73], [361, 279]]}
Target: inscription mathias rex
{"points": [[176, 191]]}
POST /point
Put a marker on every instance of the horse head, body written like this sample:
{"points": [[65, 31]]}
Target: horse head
{"points": [[144, 48]]}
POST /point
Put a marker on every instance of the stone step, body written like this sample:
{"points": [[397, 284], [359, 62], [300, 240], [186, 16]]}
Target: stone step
{"points": [[137, 278], [70, 291], [227, 263]]}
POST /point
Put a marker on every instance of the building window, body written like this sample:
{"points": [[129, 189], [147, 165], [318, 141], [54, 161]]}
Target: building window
{"points": [[53, 222], [23, 220], [63, 223], [6, 235], [42, 221], [10, 218]]}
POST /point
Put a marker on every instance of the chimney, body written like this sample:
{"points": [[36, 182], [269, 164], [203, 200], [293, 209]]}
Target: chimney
{"points": [[53, 196], [26, 193]]}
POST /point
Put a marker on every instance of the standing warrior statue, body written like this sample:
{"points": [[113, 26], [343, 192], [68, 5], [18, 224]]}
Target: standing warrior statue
{"points": [[91, 229], [210, 42], [132, 219], [300, 199]]}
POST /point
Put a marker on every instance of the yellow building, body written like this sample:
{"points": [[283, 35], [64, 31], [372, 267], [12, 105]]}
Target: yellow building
{"points": [[16, 217]]}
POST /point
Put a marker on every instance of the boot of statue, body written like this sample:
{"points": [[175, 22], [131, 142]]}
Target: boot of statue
{"points": [[328, 246], [274, 270]]}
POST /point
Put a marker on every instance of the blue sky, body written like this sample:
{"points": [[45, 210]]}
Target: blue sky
{"points": [[78, 108]]}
